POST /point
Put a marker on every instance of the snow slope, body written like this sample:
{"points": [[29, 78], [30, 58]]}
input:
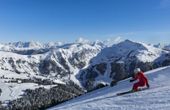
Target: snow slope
{"points": [[129, 49], [118, 62], [155, 98], [62, 63], [11, 91]]}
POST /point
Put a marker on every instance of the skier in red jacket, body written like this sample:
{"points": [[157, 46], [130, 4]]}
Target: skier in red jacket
{"points": [[142, 80]]}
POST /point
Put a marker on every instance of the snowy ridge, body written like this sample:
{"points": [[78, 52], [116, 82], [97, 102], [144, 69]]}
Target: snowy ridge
{"points": [[71, 53], [33, 45], [13, 62], [59, 65], [81, 62], [20, 46], [155, 98], [127, 48]]}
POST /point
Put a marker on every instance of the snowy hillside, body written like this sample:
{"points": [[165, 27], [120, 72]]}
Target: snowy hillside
{"points": [[155, 98], [56, 67], [58, 62], [30, 69], [118, 62], [127, 49]]}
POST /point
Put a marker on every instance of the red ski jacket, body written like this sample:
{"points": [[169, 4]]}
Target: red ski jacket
{"points": [[141, 77]]}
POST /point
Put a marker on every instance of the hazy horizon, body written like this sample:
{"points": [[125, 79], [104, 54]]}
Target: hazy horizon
{"points": [[80, 39]]}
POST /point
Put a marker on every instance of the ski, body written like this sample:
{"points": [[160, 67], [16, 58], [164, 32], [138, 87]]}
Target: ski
{"points": [[128, 92]]}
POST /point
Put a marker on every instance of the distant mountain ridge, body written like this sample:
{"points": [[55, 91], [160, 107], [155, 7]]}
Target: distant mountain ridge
{"points": [[82, 65], [73, 60]]}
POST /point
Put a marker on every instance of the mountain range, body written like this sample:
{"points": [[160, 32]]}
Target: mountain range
{"points": [[84, 66]]}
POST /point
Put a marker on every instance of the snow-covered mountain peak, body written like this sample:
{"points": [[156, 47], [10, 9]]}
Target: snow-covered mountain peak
{"points": [[30, 44], [86, 64], [25, 46], [129, 49], [131, 45]]}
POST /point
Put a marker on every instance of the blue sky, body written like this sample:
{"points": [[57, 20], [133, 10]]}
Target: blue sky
{"points": [[67, 20]]}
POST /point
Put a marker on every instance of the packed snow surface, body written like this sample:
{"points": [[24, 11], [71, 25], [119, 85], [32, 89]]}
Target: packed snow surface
{"points": [[155, 98]]}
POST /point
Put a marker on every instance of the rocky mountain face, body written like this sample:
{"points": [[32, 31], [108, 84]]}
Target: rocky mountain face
{"points": [[51, 65], [87, 63], [59, 62], [118, 62], [84, 65]]}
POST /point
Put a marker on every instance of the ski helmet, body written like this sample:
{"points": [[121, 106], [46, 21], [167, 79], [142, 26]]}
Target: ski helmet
{"points": [[137, 70]]}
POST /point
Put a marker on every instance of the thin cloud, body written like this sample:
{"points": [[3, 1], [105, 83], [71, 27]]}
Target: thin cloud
{"points": [[118, 39]]}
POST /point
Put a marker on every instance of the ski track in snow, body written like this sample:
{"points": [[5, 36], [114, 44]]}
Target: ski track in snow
{"points": [[155, 98]]}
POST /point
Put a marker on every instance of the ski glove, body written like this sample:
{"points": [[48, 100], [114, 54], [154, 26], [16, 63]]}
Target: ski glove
{"points": [[132, 80]]}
